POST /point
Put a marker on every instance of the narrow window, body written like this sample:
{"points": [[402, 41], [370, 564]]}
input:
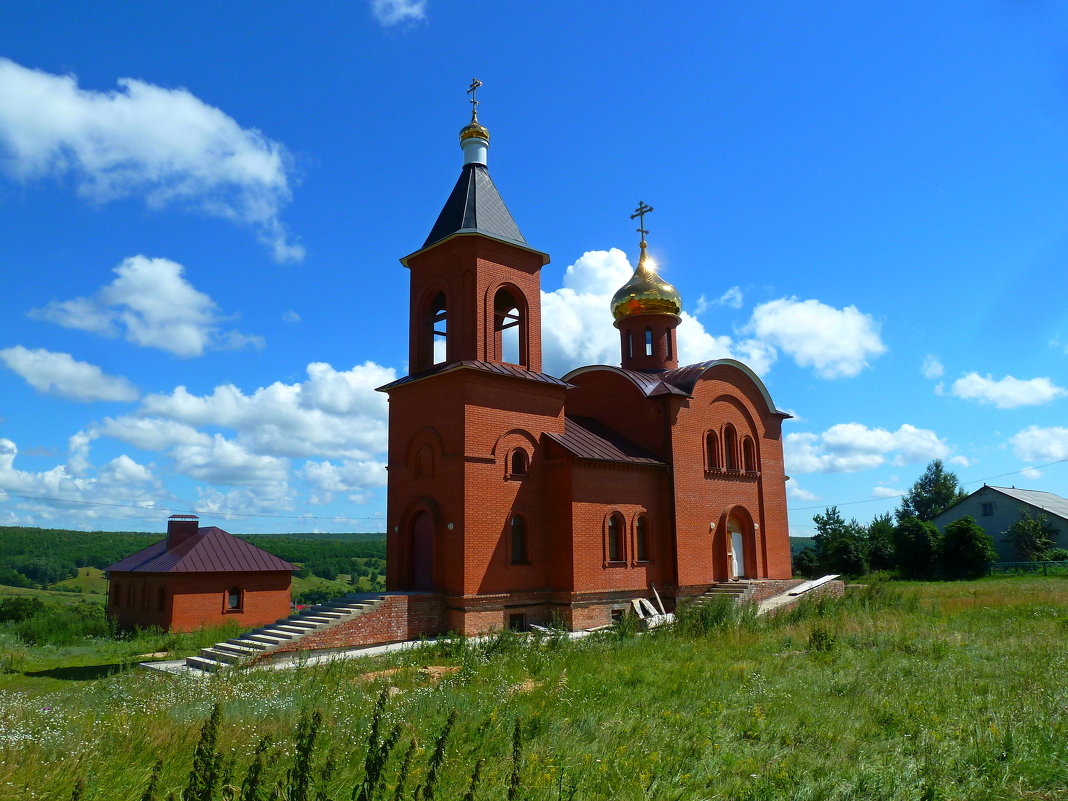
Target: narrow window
{"points": [[161, 600], [667, 336], [519, 462], [630, 344], [712, 449], [233, 598], [648, 341], [748, 455], [439, 328], [507, 327], [519, 540], [730, 456], [988, 509], [642, 534], [615, 538]]}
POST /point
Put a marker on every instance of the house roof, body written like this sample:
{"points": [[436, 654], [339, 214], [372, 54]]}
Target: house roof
{"points": [[1046, 501], [475, 206], [211, 551], [586, 438], [513, 370]]}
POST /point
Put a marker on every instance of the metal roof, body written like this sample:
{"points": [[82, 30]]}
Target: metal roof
{"points": [[475, 206], [586, 438], [211, 551], [1046, 501], [513, 370]]}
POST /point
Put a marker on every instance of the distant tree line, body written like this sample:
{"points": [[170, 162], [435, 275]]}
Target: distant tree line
{"points": [[907, 541]]}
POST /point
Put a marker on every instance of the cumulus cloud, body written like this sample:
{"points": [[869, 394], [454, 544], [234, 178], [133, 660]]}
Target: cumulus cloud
{"points": [[963, 461], [1007, 392], [850, 447], [1036, 444], [352, 477], [794, 490], [886, 492], [732, 298], [577, 323], [150, 304], [141, 140], [835, 342], [1031, 473], [932, 368], [290, 317], [62, 375], [392, 12]]}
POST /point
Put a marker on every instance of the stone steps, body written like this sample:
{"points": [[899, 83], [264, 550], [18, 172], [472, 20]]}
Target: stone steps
{"points": [[263, 639]]}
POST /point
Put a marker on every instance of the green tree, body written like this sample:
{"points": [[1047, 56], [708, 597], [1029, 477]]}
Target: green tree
{"points": [[880, 542], [916, 547], [966, 550], [839, 545], [805, 563], [1031, 536], [934, 492]]}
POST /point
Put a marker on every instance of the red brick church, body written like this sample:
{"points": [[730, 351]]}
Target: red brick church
{"points": [[520, 496]]}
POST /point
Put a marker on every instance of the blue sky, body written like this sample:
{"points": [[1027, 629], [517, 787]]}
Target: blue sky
{"points": [[202, 208]]}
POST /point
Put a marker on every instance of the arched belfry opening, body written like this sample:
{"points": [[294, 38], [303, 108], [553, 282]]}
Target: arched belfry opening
{"points": [[509, 327]]}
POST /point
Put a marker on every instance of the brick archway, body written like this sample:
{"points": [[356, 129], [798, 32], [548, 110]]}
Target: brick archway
{"points": [[735, 552]]}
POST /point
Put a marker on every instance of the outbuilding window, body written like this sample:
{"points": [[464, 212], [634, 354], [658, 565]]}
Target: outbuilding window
{"points": [[233, 599]]}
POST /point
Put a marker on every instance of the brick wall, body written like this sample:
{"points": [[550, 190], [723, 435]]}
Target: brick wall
{"points": [[194, 600], [401, 617]]}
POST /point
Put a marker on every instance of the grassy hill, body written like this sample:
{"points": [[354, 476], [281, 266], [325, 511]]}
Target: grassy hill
{"points": [[897, 693]]}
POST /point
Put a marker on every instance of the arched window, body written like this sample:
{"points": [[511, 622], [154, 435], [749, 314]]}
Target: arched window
{"points": [[518, 528], [519, 463], [630, 344], [615, 538], [648, 341], [424, 462], [748, 455], [161, 600], [730, 445], [439, 328], [507, 327], [233, 598], [712, 451], [641, 536]]}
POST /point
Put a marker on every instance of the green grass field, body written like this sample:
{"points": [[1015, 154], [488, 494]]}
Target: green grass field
{"points": [[900, 691]]}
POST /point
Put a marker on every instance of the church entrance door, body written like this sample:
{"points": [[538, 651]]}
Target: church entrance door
{"points": [[734, 529], [422, 552]]}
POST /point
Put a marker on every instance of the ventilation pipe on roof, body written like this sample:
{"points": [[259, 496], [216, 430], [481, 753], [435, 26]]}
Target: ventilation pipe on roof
{"points": [[180, 529]]}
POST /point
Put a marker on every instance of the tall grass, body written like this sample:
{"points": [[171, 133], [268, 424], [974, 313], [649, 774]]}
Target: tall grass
{"points": [[891, 693]]}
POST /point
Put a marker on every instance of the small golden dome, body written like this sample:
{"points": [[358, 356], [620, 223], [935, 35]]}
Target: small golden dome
{"points": [[473, 130], [645, 293]]}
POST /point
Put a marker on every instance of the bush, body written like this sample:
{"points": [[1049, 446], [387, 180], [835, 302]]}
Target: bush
{"points": [[1055, 555], [966, 550], [63, 625], [19, 607]]}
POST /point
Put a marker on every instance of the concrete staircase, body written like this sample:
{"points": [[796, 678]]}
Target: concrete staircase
{"points": [[738, 591], [263, 640]]}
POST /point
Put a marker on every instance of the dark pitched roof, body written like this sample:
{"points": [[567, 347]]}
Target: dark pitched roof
{"points": [[211, 551], [513, 370], [586, 438], [475, 206]]}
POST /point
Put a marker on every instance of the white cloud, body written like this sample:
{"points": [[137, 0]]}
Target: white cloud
{"points": [[151, 304], [165, 145], [291, 317], [62, 375], [732, 298], [932, 368], [350, 476], [149, 433], [1007, 392], [794, 490], [391, 12], [266, 499], [836, 342], [886, 492], [1035, 444], [963, 461], [849, 447], [1031, 473], [222, 461], [577, 322]]}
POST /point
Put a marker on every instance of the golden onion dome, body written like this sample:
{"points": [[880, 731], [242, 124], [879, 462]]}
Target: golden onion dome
{"points": [[645, 293], [473, 130]]}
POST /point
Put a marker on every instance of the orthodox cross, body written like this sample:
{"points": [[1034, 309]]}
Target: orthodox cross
{"points": [[640, 213], [475, 83]]}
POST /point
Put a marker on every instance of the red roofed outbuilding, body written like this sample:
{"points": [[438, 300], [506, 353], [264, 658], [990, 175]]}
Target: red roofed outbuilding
{"points": [[198, 576]]}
